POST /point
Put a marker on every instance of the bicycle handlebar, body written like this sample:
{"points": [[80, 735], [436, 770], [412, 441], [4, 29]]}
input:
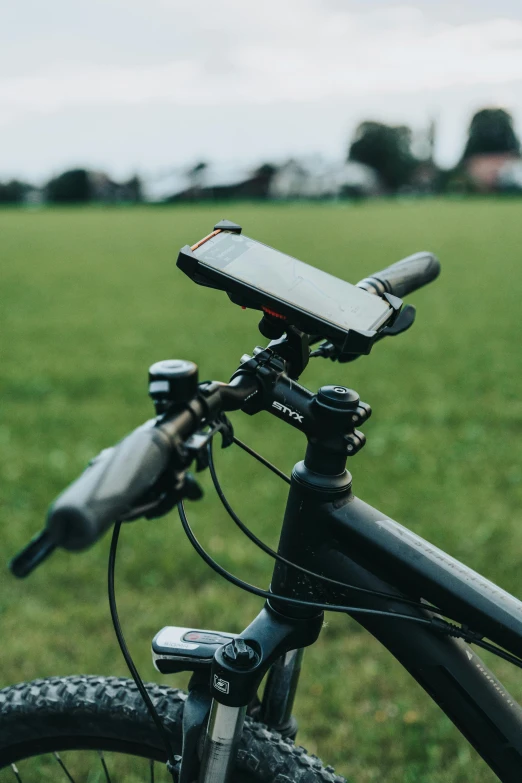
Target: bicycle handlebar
{"points": [[104, 493], [109, 487], [124, 482], [121, 482], [404, 276]]}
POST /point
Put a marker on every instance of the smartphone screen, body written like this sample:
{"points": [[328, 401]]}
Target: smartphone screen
{"points": [[293, 281]]}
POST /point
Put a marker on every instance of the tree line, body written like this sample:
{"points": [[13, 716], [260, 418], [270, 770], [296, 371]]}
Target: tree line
{"points": [[389, 150], [75, 186]]}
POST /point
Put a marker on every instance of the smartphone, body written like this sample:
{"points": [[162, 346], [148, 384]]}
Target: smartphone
{"points": [[258, 276]]}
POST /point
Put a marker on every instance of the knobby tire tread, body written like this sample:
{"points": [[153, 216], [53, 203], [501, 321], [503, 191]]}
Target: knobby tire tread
{"points": [[57, 712]]}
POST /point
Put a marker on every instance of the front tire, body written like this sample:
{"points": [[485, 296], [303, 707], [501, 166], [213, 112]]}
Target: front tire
{"points": [[108, 714]]}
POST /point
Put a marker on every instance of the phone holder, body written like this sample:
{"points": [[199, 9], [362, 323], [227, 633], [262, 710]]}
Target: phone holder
{"points": [[279, 316]]}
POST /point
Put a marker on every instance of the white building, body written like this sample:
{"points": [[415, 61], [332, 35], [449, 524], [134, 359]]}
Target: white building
{"points": [[316, 178], [181, 179], [510, 176]]}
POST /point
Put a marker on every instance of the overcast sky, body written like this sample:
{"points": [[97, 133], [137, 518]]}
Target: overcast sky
{"points": [[145, 85]]}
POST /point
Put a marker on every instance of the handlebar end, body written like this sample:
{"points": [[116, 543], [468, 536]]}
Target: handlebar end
{"points": [[37, 550], [405, 276]]}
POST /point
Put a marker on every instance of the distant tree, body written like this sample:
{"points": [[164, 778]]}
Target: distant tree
{"points": [[385, 148], [71, 187], [13, 192], [201, 166], [196, 174], [261, 179], [490, 131], [266, 170]]}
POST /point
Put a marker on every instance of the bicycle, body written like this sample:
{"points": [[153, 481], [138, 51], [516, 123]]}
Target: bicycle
{"points": [[336, 553]]}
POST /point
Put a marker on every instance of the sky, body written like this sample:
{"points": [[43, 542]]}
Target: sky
{"points": [[145, 86]]}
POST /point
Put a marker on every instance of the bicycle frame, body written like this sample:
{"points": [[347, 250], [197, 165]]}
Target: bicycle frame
{"points": [[343, 538], [329, 531]]}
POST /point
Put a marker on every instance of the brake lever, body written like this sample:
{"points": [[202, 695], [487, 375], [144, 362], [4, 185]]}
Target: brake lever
{"points": [[189, 489], [171, 493], [197, 443], [166, 494], [402, 323]]}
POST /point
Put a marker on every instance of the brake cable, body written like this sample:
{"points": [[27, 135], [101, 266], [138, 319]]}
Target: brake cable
{"points": [[436, 623], [259, 457], [171, 759], [283, 598], [279, 558]]}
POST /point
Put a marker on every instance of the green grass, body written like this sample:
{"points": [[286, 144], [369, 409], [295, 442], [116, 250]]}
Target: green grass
{"points": [[90, 298]]}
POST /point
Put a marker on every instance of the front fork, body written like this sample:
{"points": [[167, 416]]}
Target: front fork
{"points": [[225, 723], [236, 666], [279, 694], [272, 641], [224, 728]]}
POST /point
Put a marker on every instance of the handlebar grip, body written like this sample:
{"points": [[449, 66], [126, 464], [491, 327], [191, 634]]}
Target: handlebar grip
{"points": [[109, 487], [405, 276]]}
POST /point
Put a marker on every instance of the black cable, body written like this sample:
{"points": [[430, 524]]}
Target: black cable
{"points": [[443, 626], [261, 459], [269, 551], [126, 654], [436, 623], [492, 648], [271, 596], [471, 637]]}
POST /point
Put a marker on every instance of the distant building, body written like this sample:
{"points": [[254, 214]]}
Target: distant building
{"points": [[510, 176], [211, 182], [315, 178], [106, 190], [34, 197], [163, 185], [308, 178], [485, 171], [425, 178], [356, 179], [294, 179]]}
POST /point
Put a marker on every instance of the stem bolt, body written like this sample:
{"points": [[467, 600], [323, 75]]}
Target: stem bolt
{"points": [[338, 397]]}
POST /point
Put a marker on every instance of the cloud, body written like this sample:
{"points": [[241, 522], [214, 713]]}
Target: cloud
{"points": [[245, 54]]}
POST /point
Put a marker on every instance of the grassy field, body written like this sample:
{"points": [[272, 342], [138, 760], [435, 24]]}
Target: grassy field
{"points": [[90, 298]]}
